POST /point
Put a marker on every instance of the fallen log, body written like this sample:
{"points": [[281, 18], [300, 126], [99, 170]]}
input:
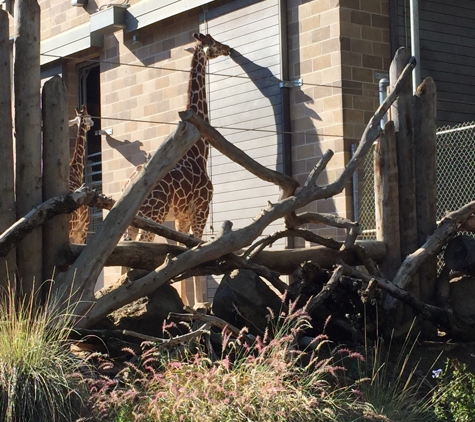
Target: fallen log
{"points": [[148, 256]]}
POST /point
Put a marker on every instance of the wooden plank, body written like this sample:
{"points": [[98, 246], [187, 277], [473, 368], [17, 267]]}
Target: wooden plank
{"points": [[425, 140], [55, 169], [387, 199], [7, 197]]}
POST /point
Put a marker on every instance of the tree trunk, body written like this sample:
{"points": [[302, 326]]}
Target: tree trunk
{"points": [[7, 196], [55, 169], [401, 114], [425, 126], [28, 136], [387, 199], [149, 256]]}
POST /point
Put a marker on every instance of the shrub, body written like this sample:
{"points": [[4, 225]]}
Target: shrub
{"points": [[454, 397], [270, 381], [39, 378], [392, 387]]}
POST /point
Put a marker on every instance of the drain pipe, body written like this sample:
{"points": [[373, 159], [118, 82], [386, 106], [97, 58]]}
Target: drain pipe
{"points": [[415, 46], [285, 101]]}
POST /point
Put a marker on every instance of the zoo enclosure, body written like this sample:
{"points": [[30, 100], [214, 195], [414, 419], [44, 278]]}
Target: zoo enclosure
{"points": [[455, 182]]}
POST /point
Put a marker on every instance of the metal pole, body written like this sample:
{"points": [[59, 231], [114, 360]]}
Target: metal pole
{"points": [[415, 46], [383, 93]]}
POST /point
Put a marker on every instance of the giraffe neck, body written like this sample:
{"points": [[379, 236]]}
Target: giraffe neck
{"points": [[197, 101], [77, 163]]}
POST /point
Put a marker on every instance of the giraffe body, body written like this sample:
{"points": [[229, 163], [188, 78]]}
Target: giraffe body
{"points": [[185, 193], [79, 219]]}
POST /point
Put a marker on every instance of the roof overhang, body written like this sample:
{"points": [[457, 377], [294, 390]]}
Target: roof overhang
{"points": [[69, 42], [148, 12], [91, 34]]}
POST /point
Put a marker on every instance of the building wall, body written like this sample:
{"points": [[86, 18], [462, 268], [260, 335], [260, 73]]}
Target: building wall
{"points": [[337, 48], [447, 54]]}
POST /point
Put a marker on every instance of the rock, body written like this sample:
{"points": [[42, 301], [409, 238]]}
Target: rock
{"points": [[145, 315], [243, 299], [461, 294]]}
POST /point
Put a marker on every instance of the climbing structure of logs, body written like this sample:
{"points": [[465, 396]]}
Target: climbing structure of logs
{"points": [[398, 268]]}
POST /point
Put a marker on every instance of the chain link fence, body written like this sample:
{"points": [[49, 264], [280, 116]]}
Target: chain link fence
{"points": [[455, 176]]}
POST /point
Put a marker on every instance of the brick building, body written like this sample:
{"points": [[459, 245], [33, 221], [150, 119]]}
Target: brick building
{"points": [[303, 78]]}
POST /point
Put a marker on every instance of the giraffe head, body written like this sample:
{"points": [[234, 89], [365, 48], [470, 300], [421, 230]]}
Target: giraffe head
{"points": [[212, 47], [82, 118]]}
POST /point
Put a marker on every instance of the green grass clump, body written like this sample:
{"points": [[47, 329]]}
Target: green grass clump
{"points": [[39, 378], [269, 381], [393, 387]]}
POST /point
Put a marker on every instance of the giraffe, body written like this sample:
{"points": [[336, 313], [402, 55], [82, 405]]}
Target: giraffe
{"points": [[79, 219], [185, 192]]}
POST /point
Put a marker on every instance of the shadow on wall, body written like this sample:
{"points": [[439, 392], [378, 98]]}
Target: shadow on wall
{"points": [[268, 84], [131, 151], [306, 139]]}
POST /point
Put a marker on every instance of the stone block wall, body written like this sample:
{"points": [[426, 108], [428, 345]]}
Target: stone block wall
{"points": [[337, 48]]}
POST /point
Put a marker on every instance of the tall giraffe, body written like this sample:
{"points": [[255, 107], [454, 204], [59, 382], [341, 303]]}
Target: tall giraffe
{"points": [[79, 219], [185, 192]]}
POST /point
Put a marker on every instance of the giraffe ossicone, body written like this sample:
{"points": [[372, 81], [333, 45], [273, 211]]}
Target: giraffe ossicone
{"points": [[79, 219], [185, 193]]}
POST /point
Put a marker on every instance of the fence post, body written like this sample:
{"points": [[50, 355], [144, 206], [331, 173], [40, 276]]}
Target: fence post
{"points": [[387, 199], [55, 168], [425, 127], [7, 196], [28, 135], [401, 114]]}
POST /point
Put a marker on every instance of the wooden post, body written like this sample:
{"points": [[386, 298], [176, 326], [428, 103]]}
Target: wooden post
{"points": [[55, 168], [387, 199], [28, 135], [7, 196], [425, 126], [401, 114]]}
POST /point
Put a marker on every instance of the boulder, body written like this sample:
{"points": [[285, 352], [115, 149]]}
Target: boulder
{"points": [[243, 299], [147, 314], [461, 294]]}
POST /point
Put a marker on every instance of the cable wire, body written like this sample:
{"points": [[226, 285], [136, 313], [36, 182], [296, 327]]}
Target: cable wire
{"points": [[240, 129], [169, 69]]}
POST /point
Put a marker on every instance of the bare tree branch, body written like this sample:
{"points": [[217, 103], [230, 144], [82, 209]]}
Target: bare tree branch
{"points": [[49, 209]]}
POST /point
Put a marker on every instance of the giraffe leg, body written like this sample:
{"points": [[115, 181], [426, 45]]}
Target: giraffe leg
{"points": [[198, 290], [198, 224], [183, 225], [131, 233]]}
